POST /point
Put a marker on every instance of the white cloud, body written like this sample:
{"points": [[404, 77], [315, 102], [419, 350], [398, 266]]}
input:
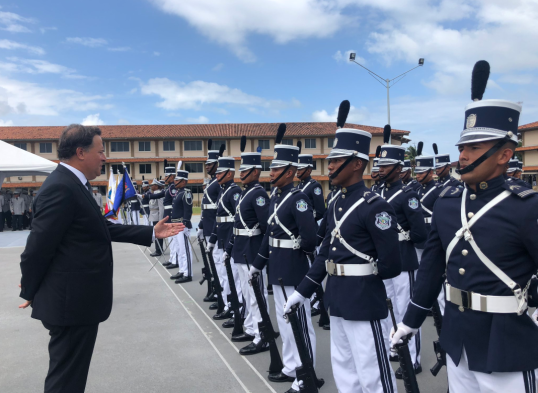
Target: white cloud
{"points": [[7, 123], [88, 41], [119, 49], [12, 45], [198, 120], [35, 66], [92, 120], [356, 115], [194, 95], [230, 22], [218, 67], [43, 30], [344, 58], [12, 22], [156, 53]]}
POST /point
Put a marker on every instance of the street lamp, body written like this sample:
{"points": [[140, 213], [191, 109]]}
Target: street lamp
{"points": [[388, 83]]}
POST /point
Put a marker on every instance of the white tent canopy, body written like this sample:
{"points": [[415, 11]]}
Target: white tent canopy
{"points": [[18, 162]]}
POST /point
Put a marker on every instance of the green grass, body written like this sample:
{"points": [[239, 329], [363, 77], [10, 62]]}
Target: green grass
{"points": [[196, 210]]}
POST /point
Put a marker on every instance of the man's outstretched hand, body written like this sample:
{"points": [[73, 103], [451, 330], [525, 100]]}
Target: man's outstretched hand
{"points": [[163, 230], [26, 303]]}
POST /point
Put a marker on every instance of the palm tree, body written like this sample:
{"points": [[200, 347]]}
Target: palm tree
{"points": [[411, 153]]}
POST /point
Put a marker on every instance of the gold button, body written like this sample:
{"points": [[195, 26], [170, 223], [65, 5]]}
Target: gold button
{"points": [[334, 248], [461, 308], [272, 223], [339, 209], [217, 226], [343, 197], [464, 252], [271, 233], [462, 271], [470, 215], [473, 197], [270, 252]]}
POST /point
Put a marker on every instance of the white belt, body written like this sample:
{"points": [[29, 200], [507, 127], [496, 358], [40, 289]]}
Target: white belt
{"points": [[145, 205], [428, 220], [246, 232], [403, 236], [169, 207], [225, 219], [359, 269], [281, 243], [478, 302], [209, 206]]}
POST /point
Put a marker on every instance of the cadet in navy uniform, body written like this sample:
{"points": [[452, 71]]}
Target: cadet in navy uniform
{"points": [[518, 174], [250, 225], [442, 169], [182, 212], [156, 211], [309, 186], [331, 197], [291, 233], [484, 237], [512, 172], [211, 194], [145, 202], [223, 228], [374, 174], [405, 175], [359, 251], [134, 205], [412, 230]]}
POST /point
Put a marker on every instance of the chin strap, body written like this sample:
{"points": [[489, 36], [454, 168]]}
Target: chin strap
{"points": [[425, 176], [226, 174], [248, 174], [337, 172], [483, 157], [390, 173], [282, 174]]}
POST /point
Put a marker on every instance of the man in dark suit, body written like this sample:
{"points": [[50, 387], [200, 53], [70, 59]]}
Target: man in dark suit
{"points": [[67, 264]]}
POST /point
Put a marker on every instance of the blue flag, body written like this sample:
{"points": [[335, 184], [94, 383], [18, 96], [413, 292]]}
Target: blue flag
{"points": [[124, 191]]}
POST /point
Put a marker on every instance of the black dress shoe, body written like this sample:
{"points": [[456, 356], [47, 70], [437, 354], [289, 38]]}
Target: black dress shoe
{"points": [[183, 279], [223, 315], [291, 390], [398, 373], [172, 266], [214, 306], [167, 264], [327, 327], [230, 323], [176, 276], [253, 349], [280, 377], [242, 337], [155, 254], [314, 312], [211, 298]]}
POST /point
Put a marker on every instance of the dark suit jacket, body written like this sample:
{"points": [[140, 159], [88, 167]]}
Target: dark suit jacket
{"points": [[67, 264]]}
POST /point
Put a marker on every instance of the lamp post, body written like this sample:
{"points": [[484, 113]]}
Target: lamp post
{"points": [[388, 83]]}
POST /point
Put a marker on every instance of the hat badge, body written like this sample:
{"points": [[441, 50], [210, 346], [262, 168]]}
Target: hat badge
{"points": [[384, 154], [471, 120], [335, 141], [418, 163], [276, 154]]}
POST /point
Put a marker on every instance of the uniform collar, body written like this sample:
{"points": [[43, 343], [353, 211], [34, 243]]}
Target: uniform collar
{"points": [[306, 180], [250, 185], [285, 189], [444, 179], [227, 184], [359, 186], [429, 184], [393, 185], [489, 186]]}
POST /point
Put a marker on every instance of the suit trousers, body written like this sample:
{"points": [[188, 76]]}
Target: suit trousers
{"points": [[158, 242], [17, 222], [70, 353]]}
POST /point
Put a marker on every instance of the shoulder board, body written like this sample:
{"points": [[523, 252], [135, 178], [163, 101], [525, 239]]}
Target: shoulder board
{"points": [[520, 191], [258, 186], [294, 190], [439, 185], [370, 196], [407, 188], [451, 192]]}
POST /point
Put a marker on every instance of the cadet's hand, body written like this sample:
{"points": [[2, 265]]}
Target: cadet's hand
{"points": [[224, 256], [210, 247], [252, 271], [534, 317], [163, 230], [26, 303], [200, 235], [295, 298], [403, 330]]}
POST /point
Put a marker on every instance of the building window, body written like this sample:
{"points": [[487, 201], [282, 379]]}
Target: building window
{"points": [[263, 144], [266, 186], [310, 143], [196, 189], [287, 142], [194, 167], [45, 147], [144, 146], [330, 142], [314, 166], [119, 146], [115, 168], [193, 145], [265, 166], [20, 145], [169, 145], [103, 169], [217, 144], [144, 169]]}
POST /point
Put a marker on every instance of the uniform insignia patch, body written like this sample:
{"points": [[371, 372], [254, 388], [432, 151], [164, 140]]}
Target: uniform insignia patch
{"points": [[174, 191], [275, 155], [418, 163], [317, 191], [302, 206], [384, 154], [413, 203], [471, 121], [236, 196], [335, 141], [260, 201], [383, 220]]}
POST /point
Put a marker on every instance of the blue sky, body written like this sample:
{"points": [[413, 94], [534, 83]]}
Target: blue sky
{"points": [[209, 61]]}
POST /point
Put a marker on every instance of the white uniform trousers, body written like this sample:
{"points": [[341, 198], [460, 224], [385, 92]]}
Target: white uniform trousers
{"points": [[183, 251], [221, 271], [252, 310], [463, 380], [135, 217], [173, 243], [359, 358], [387, 322], [235, 272], [146, 220], [290, 354], [441, 301]]}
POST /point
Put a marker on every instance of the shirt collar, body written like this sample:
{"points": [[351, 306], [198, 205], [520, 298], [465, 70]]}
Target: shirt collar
{"points": [[396, 184], [490, 185], [76, 172], [354, 187]]}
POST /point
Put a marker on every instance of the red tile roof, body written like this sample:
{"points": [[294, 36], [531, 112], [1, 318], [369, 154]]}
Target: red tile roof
{"points": [[526, 127], [526, 148], [191, 131]]}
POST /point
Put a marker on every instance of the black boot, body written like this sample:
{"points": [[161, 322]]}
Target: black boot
{"points": [[176, 276], [223, 315], [214, 306], [253, 349]]}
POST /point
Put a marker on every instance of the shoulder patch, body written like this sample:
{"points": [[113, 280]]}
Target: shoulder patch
{"points": [[317, 190], [301, 205], [520, 191], [383, 220], [260, 201], [413, 203], [369, 196], [236, 196], [451, 192]]}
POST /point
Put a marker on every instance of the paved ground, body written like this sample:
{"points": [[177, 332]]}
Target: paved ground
{"points": [[159, 338]]}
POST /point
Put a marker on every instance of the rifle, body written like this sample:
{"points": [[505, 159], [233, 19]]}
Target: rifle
{"points": [[206, 272], [439, 352], [305, 372], [234, 299], [324, 316], [265, 327], [406, 364], [217, 288]]}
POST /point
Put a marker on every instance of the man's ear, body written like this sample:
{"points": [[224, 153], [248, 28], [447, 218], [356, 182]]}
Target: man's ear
{"points": [[506, 155]]}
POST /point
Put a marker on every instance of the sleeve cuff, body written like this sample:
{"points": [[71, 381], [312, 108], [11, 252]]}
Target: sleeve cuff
{"points": [[415, 315], [307, 287]]}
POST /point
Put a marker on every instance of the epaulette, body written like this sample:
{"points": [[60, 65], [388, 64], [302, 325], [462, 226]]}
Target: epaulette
{"points": [[451, 192], [520, 191], [439, 185], [407, 188], [258, 186], [369, 196], [294, 190]]}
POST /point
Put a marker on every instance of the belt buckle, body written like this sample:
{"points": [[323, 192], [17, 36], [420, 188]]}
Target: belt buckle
{"points": [[466, 299]]}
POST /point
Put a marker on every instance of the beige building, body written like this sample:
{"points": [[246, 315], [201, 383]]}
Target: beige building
{"points": [[529, 150], [144, 148]]}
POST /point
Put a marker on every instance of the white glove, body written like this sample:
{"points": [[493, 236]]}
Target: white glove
{"points": [[534, 317], [200, 234], [252, 271], [295, 298], [224, 256], [210, 247], [403, 330]]}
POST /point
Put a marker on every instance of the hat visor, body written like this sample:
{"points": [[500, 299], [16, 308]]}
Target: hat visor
{"points": [[482, 135], [223, 169], [339, 153], [422, 169], [388, 161], [247, 167], [280, 164], [303, 166]]}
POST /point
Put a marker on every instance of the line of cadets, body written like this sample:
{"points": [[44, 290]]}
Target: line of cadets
{"points": [[370, 244]]}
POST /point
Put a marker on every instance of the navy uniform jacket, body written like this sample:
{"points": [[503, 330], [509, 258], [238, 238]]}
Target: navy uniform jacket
{"points": [[449, 181], [414, 184], [314, 192], [428, 201], [211, 196], [518, 182], [145, 204], [135, 205], [222, 231], [409, 215], [506, 234], [377, 186], [168, 195], [254, 207], [323, 224], [182, 207], [357, 298], [297, 216]]}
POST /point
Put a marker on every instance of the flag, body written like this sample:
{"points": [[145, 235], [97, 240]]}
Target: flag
{"points": [[110, 195], [124, 190]]}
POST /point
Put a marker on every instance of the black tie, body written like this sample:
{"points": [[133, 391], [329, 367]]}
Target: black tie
{"points": [[89, 186]]}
